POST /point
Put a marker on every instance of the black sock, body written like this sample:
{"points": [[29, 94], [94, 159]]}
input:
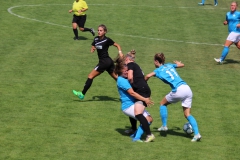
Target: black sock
{"points": [[75, 31], [87, 29], [133, 123], [87, 85], [144, 123]]}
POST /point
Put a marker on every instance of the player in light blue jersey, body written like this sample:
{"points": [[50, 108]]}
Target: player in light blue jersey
{"points": [[233, 22], [203, 2], [180, 92], [128, 98]]}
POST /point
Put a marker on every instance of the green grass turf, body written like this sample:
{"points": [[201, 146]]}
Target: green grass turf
{"points": [[40, 64]]}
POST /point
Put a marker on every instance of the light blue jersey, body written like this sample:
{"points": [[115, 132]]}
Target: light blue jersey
{"points": [[126, 99], [168, 74], [233, 19]]}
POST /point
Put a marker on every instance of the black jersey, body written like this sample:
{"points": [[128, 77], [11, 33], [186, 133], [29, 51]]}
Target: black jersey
{"points": [[102, 46], [138, 76]]}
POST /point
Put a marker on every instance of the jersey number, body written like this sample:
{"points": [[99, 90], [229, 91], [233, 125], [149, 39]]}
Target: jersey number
{"points": [[171, 73]]}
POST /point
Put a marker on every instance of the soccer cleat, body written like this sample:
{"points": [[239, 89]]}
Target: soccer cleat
{"points": [[92, 31], [196, 138], [79, 94], [130, 131], [162, 128], [136, 140], [76, 38], [218, 60], [201, 4], [215, 4], [150, 138]]}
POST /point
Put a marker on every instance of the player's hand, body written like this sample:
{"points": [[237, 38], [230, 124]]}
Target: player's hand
{"points": [[70, 11], [149, 102], [93, 49], [177, 62], [80, 11], [225, 22]]}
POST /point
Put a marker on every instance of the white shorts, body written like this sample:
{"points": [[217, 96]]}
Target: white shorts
{"points": [[234, 37], [130, 112], [183, 93]]}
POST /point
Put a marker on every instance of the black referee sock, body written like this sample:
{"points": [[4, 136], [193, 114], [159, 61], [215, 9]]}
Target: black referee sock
{"points": [[144, 123], [87, 85], [87, 29], [75, 31], [133, 123]]}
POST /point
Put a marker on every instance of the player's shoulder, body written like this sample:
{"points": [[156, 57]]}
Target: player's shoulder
{"points": [[169, 64], [238, 12], [121, 79], [132, 65], [108, 38]]}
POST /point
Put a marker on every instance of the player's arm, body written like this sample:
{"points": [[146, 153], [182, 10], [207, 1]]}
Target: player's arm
{"points": [[226, 21], [149, 76], [93, 48], [139, 97], [130, 76], [84, 8], [179, 64], [119, 49]]}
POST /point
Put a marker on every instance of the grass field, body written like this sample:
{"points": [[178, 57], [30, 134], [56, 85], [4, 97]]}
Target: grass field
{"points": [[40, 65]]}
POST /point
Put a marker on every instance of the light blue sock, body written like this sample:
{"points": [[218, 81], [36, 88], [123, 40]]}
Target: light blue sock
{"points": [[224, 53], [139, 132], [193, 123], [215, 1], [163, 114], [203, 1]]}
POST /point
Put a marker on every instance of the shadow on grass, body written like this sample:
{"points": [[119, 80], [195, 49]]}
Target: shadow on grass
{"points": [[122, 131], [230, 61], [175, 131], [81, 38], [100, 98]]}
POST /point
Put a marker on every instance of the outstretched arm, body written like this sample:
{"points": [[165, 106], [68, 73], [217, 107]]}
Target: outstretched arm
{"points": [[149, 75], [179, 64]]}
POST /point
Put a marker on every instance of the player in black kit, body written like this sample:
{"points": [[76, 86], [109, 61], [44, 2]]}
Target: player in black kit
{"points": [[139, 85], [100, 43]]}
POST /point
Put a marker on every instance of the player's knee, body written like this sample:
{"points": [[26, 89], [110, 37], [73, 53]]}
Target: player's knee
{"points": [[238, 45], [149, 119]]}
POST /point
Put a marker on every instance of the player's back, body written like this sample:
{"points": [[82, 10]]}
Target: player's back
{"points": [[168, 74]]}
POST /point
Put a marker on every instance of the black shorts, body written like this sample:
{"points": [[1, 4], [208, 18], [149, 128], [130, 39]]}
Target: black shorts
{"points": [[144, 91], [105, 64], [80, 20]]}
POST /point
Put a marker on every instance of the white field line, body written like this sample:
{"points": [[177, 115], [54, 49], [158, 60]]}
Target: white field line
{"points": [[119, 34]]}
